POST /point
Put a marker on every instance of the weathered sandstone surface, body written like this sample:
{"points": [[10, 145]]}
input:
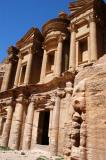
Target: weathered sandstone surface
{"points": [[86, 138]]}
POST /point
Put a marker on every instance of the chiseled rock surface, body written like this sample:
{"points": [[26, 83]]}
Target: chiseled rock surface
{"points": [[95, 96]]}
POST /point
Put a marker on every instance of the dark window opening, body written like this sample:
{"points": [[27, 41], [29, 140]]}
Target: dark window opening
{"points": [[83, 51], [50, 63], [23, 71], [43, 128]]}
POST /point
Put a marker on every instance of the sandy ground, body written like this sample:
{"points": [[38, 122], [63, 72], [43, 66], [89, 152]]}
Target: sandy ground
{"points": [[25, 155]]}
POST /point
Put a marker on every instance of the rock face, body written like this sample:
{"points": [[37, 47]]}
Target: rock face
{"points": [[54, 88], [88, 128]]}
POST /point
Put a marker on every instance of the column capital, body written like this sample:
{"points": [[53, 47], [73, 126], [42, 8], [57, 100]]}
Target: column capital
{"points": [[92, 17], [73, 27], [20, 56], [60, 93], [44, 46], [10, 101], [69, 88], [61, 38], [32, 99], [21, 99]]}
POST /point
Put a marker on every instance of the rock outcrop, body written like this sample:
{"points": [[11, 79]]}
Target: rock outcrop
{"points": [[88, 126]]}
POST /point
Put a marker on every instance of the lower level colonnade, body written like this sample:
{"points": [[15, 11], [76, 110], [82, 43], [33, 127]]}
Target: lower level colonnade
{"points": [[25, 123]]}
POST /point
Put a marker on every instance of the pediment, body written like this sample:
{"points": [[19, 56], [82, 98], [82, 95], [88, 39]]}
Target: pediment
{"points": [[29, 37]]}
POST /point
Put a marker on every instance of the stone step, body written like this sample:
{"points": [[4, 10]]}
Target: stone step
{"points": [[42, 147]]}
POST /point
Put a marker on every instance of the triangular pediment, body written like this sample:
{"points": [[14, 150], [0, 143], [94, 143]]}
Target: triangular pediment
{"points": [[29, 37]]}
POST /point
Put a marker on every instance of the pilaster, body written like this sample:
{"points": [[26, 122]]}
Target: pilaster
{"points": [[44, 62], [18, 71], [58, 58]]}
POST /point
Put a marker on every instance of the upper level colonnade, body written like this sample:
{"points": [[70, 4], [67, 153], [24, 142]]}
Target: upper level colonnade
{"points": [[65, 44]]}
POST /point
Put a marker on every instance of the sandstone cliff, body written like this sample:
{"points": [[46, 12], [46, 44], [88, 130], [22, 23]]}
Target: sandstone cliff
{"points": [[88, 126]]}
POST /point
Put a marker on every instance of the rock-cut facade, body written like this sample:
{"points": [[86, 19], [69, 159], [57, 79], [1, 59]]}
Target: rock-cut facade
{"points": [[53, 86]]}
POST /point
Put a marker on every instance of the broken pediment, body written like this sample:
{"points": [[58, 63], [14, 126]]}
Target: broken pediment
{"points": [[31, 36]]}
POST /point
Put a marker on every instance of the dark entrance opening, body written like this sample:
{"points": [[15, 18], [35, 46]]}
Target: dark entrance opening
{"points": [[43, 128]]}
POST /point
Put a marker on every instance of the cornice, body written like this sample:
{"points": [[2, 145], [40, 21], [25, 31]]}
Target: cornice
{"points": [[81, 10], [39, 88], [97, 5]]}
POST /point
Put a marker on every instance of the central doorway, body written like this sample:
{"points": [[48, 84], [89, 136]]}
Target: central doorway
{"points": [[43, 128]]}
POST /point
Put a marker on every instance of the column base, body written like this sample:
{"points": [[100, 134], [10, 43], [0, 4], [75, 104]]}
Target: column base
{"points": [[72, 69]]}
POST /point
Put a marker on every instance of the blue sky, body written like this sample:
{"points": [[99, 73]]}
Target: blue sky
{"points": [[18, 16]]}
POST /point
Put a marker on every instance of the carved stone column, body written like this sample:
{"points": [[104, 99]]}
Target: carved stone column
{"points": [[59, 57], [35, 129], [43, 70], [18, 72], [72, 60], [93, 37], [28, 69], [12, 52], [14, 140], [55, 123], [29, 124], [7, 127], [89, 50]]}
